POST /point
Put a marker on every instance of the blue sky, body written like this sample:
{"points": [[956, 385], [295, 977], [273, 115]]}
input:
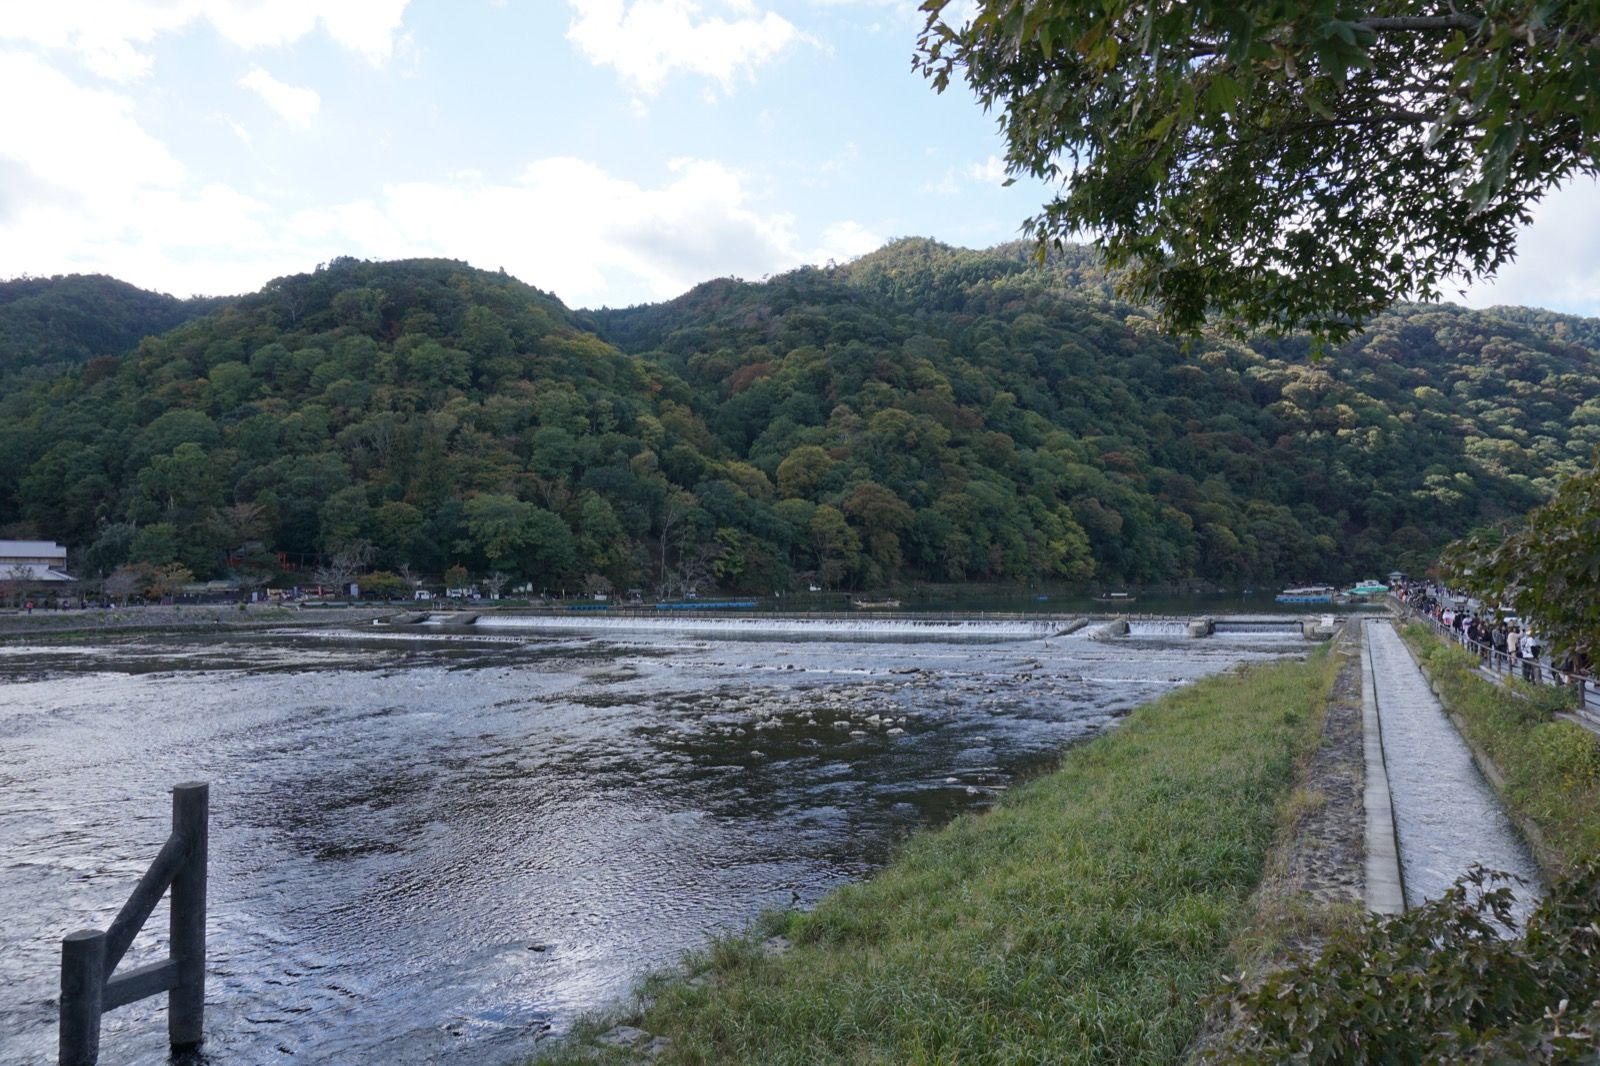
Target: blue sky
{"points": [[610, 151]]}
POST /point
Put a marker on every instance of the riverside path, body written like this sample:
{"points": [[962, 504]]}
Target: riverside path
{"points": [[1447, 817]]}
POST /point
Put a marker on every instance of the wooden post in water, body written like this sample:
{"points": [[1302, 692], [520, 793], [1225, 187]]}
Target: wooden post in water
{"points": [[191, 803], [83, 984], [89, 957]]}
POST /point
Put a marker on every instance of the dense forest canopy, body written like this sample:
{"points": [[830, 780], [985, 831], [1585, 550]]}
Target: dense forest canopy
{"points": [[64, 320], [923, 413]]}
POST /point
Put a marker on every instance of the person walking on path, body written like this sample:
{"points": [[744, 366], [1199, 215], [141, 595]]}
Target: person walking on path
{"points": [[1498, 640], [1530, 657]]}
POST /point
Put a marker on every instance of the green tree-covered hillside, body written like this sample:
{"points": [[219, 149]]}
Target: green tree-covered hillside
{"points": [[72, 319], [923, 413]]}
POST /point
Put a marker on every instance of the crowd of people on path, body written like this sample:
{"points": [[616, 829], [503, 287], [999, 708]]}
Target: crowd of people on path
{"points": [[1504, 642]]}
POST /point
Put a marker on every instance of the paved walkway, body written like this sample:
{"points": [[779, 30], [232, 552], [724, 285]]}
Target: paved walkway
{"points": [[1447, 817]]}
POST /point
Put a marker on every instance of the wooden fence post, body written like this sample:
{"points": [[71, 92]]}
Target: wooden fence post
{"points": [[89, 957], [83, 983], [186, 1002]]}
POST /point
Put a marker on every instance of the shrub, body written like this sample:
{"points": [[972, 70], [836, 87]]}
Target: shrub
{"points": [[1568, 753], [1440, 983]]}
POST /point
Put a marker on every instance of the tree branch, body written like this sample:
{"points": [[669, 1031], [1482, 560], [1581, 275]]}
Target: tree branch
{"points": [[1420, 23]]}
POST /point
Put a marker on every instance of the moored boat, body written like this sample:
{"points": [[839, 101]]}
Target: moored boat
{"points": [[1308, 594]]}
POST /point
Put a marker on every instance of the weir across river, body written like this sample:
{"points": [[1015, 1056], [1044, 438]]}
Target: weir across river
{"points": [[877, 628]]}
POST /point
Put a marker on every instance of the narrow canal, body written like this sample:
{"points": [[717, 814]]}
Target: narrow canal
{"points": [[1447, 817]]}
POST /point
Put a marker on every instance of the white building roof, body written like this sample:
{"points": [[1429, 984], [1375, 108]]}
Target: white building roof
{"points": [[30, 549]]}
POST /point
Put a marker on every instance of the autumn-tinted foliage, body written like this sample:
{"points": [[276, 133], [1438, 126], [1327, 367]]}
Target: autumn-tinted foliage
{"points": [[923, 413]]}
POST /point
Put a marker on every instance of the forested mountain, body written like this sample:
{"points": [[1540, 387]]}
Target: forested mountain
{"points": [[922, 413], [75, 318]]}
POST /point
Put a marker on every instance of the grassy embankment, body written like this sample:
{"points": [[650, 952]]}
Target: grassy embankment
{"points": [[1081, 920], [1550, 767]]}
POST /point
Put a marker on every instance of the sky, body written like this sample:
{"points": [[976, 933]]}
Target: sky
{"points": [[613, 152]]}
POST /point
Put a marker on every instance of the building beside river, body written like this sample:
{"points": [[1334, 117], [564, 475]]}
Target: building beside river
{"points": [[41, 561]]}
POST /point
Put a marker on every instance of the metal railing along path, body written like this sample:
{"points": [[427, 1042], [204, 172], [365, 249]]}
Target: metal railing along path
{"points": [[89, 957], [1505, 663]]}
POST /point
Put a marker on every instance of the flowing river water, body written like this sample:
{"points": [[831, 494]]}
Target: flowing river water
{"points": [[428, 845]]}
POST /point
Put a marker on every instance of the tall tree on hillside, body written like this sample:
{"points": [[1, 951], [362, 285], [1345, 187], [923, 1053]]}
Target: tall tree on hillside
{"points": [[1288, 163]]}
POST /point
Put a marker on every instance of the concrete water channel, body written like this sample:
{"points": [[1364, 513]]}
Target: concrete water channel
{"points": [[1447, 817]]}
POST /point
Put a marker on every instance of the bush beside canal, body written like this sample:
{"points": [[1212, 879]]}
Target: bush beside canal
{"points": [[1549, 767], [1082, 919]]}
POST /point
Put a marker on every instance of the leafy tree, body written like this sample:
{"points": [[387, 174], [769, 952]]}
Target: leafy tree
{"points": [[154, 545], [396, 525], [163, 581], [804, 471], [519, 536], [111, 548], [1548, 567], [384, 585], [838, 546], [1289, 164]]}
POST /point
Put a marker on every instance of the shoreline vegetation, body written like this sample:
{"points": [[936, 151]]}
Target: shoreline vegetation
{"points": [[1082, 919]]}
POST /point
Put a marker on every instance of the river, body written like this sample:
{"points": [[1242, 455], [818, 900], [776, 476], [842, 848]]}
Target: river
{"points": [[427, 845]]}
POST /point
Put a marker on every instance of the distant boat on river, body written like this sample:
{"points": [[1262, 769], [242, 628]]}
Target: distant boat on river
{"points": [[1115, 597], [1309, 594], [1369, 587], [875, 605]]}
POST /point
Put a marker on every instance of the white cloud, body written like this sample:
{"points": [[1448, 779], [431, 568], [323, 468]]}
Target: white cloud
{"points": [[238, 129], [646, 41], [1558, 256], [943, 186], [570, 226], [110, 36], [77, 139], [844, 241], [991, 171], [563, 224], [297, 105], [109, 197], [848, 155]]}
